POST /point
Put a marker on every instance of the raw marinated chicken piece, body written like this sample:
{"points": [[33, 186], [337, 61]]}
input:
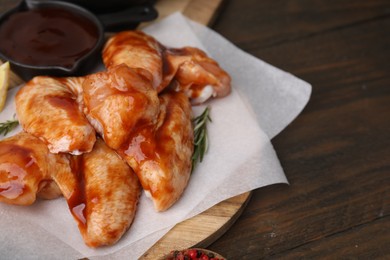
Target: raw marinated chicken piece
{"points": [[101, 189], [119, 100], [25, 170], [153, 134], [49, 108], [136, 50], [161, 154], [104, 197], [199, 76]]}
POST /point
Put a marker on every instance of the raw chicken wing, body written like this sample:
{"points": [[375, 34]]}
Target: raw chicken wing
{"points": [[105, 193], [199, 76], [101, 189], [48, 109], [153, 134], [161, 155], [25, 170], [136, 50], [119, 100]]}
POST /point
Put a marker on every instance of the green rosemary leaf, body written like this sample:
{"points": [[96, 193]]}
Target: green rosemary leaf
{"points": [[200, 136], [8, 126]]}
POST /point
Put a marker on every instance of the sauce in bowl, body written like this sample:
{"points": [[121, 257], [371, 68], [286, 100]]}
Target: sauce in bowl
{"points": [[47, 37]]}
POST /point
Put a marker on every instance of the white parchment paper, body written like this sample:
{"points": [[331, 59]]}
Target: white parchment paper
{"points": [[241, 158]]}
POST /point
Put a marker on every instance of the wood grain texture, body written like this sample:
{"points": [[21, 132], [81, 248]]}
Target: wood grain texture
{"points": [[336, 154], [354, 242], [202, 11], [201, 230]]}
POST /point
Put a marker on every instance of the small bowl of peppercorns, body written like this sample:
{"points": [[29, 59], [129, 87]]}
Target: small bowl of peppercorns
{"points": [[193, 254]]}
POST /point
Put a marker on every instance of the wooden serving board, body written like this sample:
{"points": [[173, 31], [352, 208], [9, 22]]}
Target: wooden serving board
{"points": [[202, 11], [201, 230], [205, 228]]}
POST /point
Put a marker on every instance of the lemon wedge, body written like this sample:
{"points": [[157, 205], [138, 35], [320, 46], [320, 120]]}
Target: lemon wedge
{"points": [[4, 82]]}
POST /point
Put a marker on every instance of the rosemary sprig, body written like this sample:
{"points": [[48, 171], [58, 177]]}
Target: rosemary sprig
{"points": [[8, 126], [200, 136]]}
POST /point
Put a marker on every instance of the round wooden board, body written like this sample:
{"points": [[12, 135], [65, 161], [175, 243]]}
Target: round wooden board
{"points": [[201, 230]]}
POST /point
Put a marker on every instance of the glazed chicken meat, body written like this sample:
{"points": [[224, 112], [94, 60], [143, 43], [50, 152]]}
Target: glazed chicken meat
{"points": [[188, 68], [105, 195], [102, 191], [100, 139], [26, 166], [160, 154], [119, 100], [136, 50], [47, 108]]}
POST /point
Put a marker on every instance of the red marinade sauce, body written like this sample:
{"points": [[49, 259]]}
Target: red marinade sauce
{"points": [[47, 37], [77, 202]]}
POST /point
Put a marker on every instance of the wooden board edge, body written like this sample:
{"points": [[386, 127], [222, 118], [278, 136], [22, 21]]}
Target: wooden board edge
{"points": [[202, 229], [241, 201], [203, 11]]}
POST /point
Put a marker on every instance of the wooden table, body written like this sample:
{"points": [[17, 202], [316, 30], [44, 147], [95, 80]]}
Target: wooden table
{"points": [[336, 154]]}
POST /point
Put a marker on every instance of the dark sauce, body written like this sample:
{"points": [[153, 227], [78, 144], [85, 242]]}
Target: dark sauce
{"points": [[77, 202], [67, 104], [47, 37]]}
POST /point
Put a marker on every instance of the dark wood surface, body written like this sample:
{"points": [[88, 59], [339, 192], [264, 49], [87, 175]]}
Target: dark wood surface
{"points": [[336, 154]]}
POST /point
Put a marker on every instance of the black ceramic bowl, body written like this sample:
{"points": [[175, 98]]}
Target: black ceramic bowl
{"points": [[88, 58], [117, 15]]}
